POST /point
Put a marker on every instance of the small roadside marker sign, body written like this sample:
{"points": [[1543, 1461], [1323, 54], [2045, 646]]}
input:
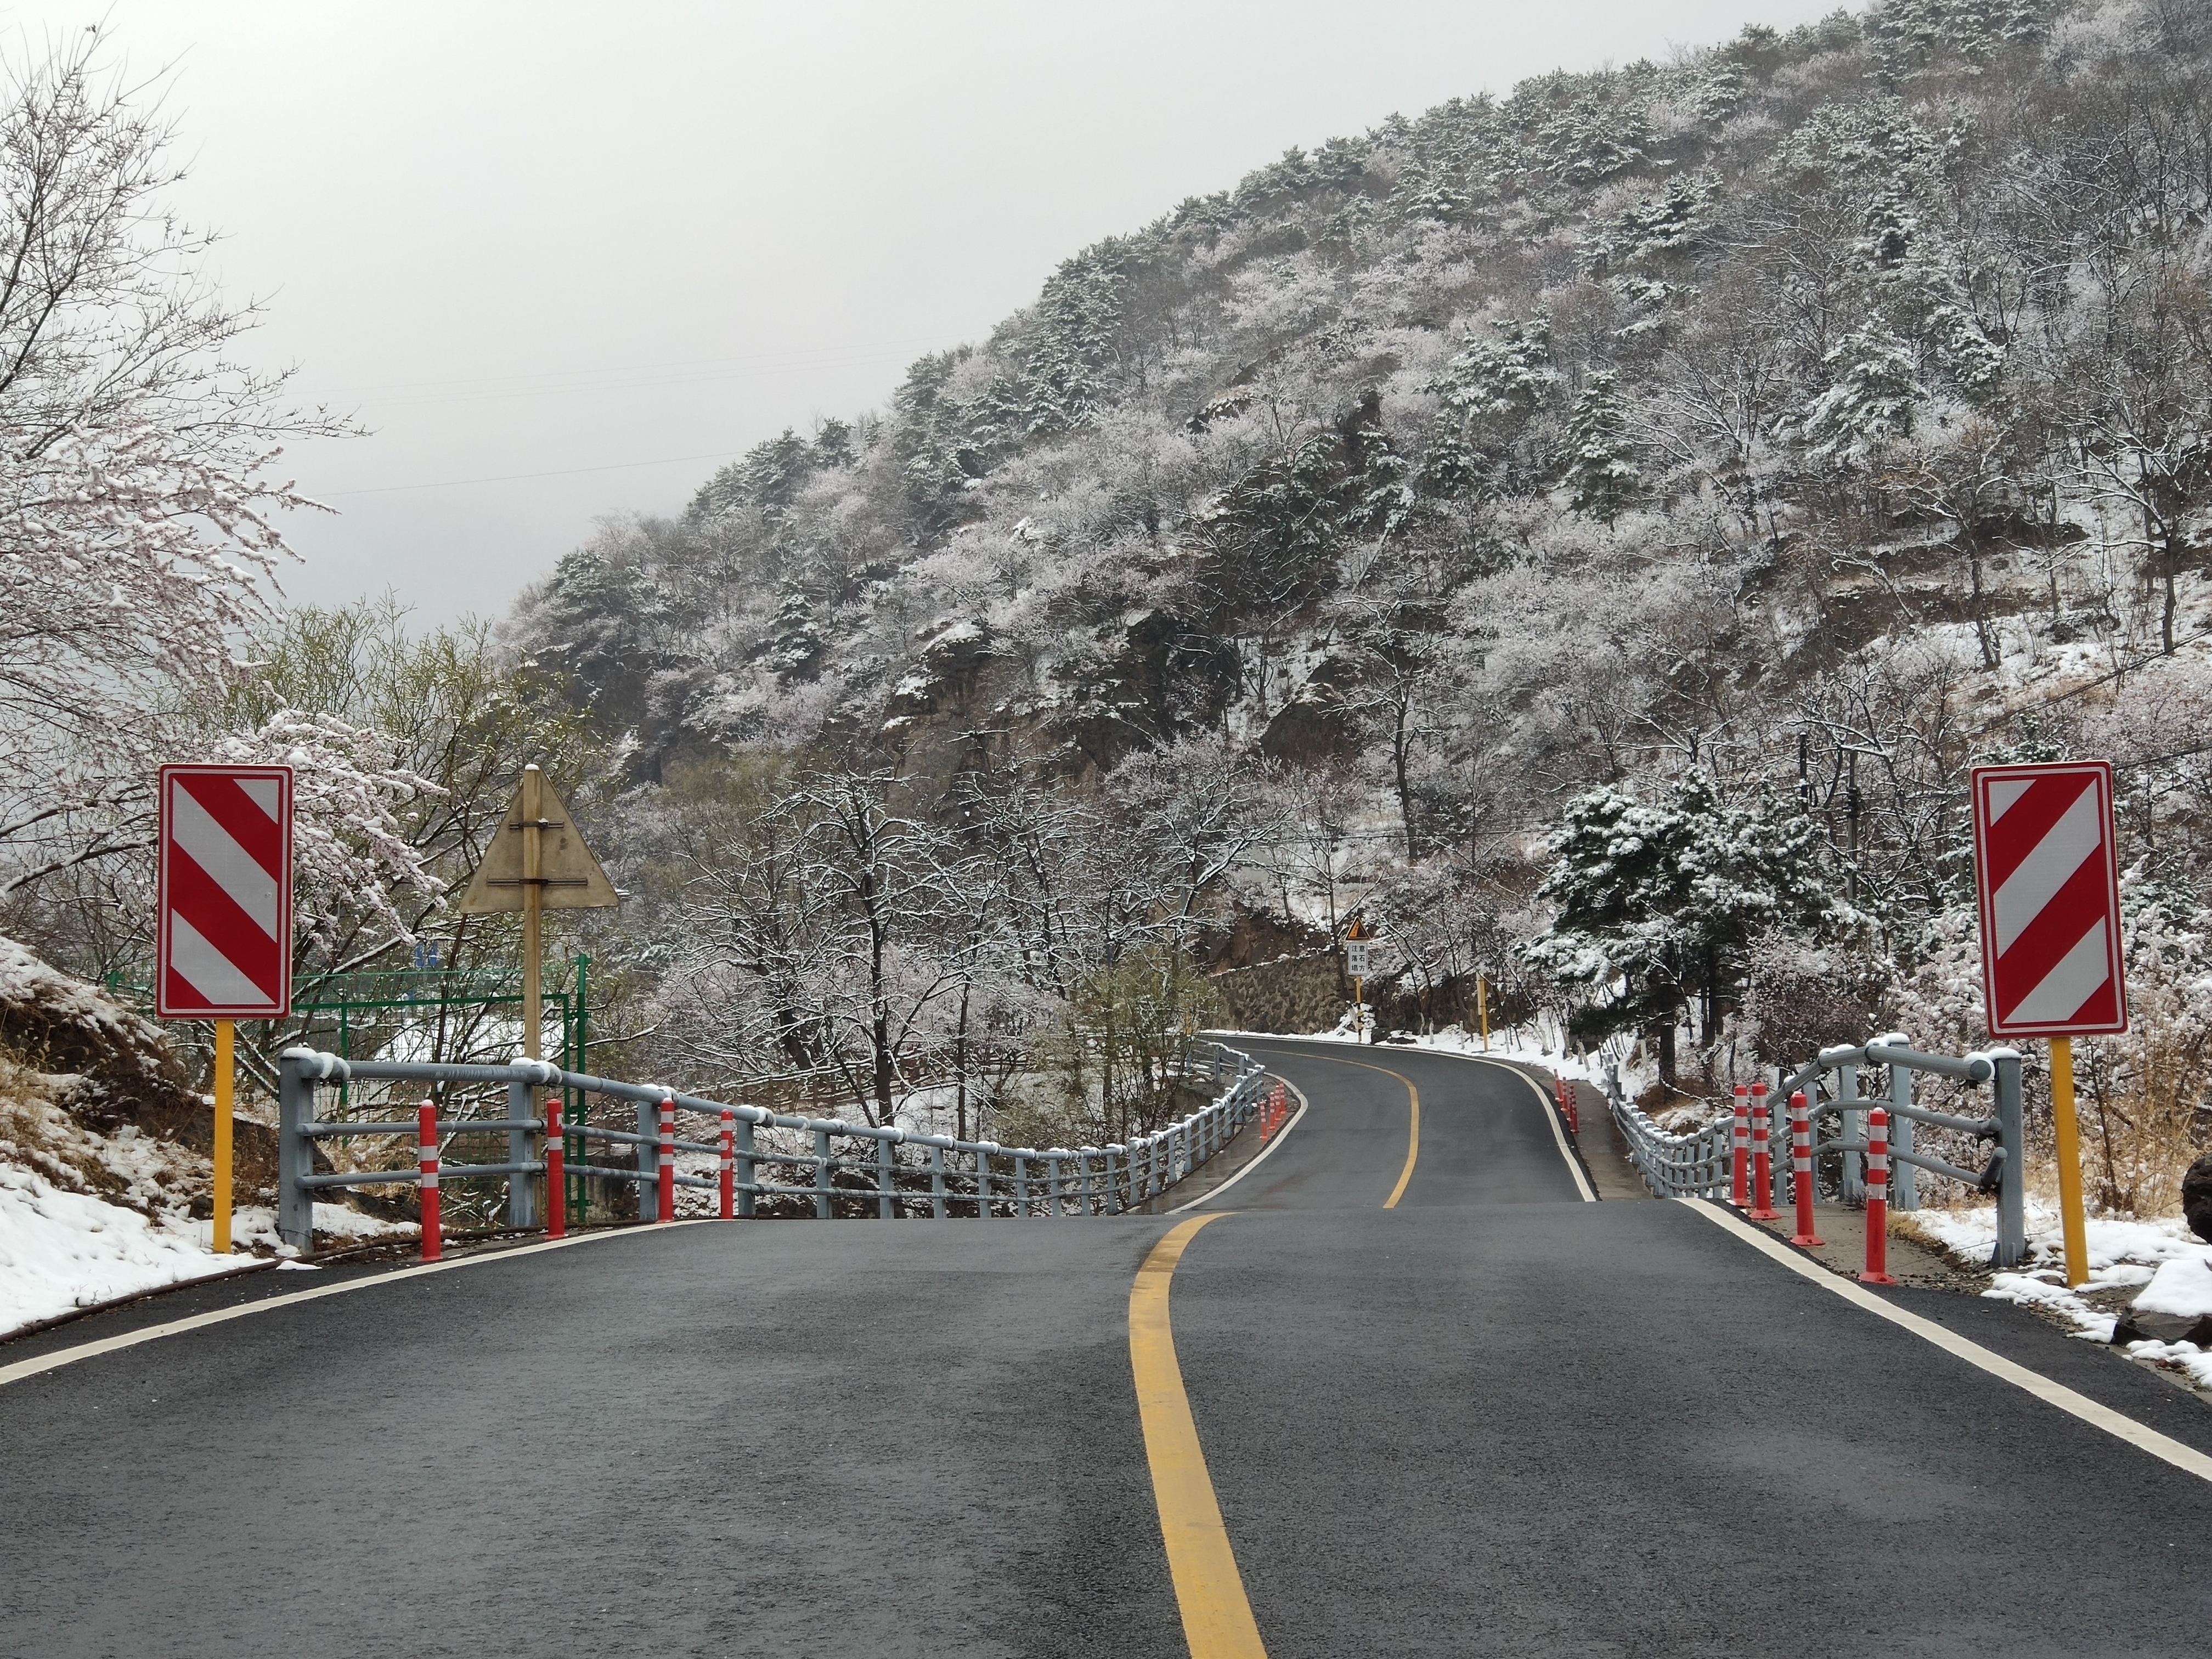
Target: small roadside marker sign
{"points": [[223, 938], [2049, 876], [1358, 957]]}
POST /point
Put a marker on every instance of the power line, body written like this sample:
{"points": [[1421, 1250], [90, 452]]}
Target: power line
{"points": [[560, 472], [770, 362]]}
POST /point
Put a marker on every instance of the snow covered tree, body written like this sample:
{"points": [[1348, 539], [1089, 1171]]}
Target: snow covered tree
{"points": [[138, 511], [1870, 399], [796, 643], [1600, 471], [1658, 902]]}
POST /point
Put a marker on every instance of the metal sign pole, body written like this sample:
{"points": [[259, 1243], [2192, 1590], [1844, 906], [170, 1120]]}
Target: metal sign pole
{"points": [[2072, 1221], [533, 900], [523, 870], [226, 1078]]}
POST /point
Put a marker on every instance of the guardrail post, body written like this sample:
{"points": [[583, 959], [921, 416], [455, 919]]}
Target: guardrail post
{"points": [[1740, 1166], [1854, 1128], [521, 1188], [936, 1183], [984, 1183], [1904, 1184], [1021, 1185], [1052, 1185], [295, 1153], [426, 1163], [748, 1177], [1877, 1204], [1086, 1192], [556, 1172], [1762, 1158], [667, 1210], [1800, 1170], [886, 1193], [2012, 1188], [823, 1211], [648, 1160], [729, 1194]]}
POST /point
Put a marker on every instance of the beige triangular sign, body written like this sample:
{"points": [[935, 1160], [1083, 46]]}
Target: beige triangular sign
{"points": [[568, 877]]}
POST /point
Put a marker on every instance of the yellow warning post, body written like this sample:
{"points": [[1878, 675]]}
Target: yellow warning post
{"points": [[225, 1079], [2071, 1216]]}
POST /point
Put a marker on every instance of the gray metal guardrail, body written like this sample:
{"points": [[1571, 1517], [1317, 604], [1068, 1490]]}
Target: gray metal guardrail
{"points": [[1698, 1164], [893, 1171]]}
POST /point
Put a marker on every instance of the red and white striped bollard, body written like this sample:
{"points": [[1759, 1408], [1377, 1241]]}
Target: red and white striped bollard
{"points": [[1739, 1148], [556, 1172], [426, 1154], [1801, 1168], [1762, 1158], [729, 1164], [667, 1182], [1877, 1210]]}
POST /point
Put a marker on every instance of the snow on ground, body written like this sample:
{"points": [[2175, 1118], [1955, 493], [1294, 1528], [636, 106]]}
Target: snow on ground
{"points": [[61, 1250], [2170, 1272], [1537, 1044], [85, 1218]]}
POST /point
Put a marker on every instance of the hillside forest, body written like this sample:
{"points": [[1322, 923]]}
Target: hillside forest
{"points": [[1580, 537]]}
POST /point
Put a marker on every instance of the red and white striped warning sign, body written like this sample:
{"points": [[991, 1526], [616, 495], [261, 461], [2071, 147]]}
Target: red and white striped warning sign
{"points": [[2049, 881], [224, 944]]}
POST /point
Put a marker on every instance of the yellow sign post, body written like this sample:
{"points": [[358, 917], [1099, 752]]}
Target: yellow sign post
{"points": [[536, 862], [1482, 1008], [2071, 1218], [226, 1079], [1355, 962]]}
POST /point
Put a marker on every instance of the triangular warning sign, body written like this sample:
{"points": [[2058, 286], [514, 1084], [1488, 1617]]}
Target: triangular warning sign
{"points": [[568, 876]]}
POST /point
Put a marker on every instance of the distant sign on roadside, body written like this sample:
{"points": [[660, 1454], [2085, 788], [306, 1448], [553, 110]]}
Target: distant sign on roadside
{"points": [[2049, 876], [1358, 957], [223, 938]]}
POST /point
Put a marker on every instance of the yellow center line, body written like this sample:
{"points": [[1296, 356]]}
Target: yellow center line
{"points": [[1412, 1133], [1217, 1618], [1414, 1130]]}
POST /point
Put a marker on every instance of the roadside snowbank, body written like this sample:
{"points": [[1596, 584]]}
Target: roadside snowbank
{"points": [[60, 1250], [2169, 1270], [1527, 1044]]}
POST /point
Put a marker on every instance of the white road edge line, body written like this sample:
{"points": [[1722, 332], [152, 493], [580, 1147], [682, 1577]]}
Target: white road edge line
{"points": [[61, 1357], [1282, 1134], [2186, 1458], [1551, 1109], [1551, 1116]]}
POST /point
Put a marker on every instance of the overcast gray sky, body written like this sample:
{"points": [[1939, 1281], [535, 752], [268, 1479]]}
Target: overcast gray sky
{"points": [[610, 246]]}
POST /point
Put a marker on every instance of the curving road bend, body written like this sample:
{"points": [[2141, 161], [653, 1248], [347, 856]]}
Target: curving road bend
{"points": [[1494, 1419]]}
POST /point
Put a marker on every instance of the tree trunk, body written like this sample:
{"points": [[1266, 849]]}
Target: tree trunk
{"points": [[1981, 613], [2172, 563], [1666, 1073], [960, 1067], [1405, 792]]}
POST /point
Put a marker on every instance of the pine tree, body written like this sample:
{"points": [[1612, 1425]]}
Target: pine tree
{"points": [[1601, 473], [797, 639], [1664, 899]]}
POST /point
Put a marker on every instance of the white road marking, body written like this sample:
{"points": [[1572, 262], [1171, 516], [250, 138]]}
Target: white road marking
{"points": [[2187, 1458], [60, 1357], [1264, 1151], [1551, 1116]]}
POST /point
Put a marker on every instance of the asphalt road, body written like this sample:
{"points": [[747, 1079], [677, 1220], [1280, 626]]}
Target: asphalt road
{"points": [[1495, 1420]]}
